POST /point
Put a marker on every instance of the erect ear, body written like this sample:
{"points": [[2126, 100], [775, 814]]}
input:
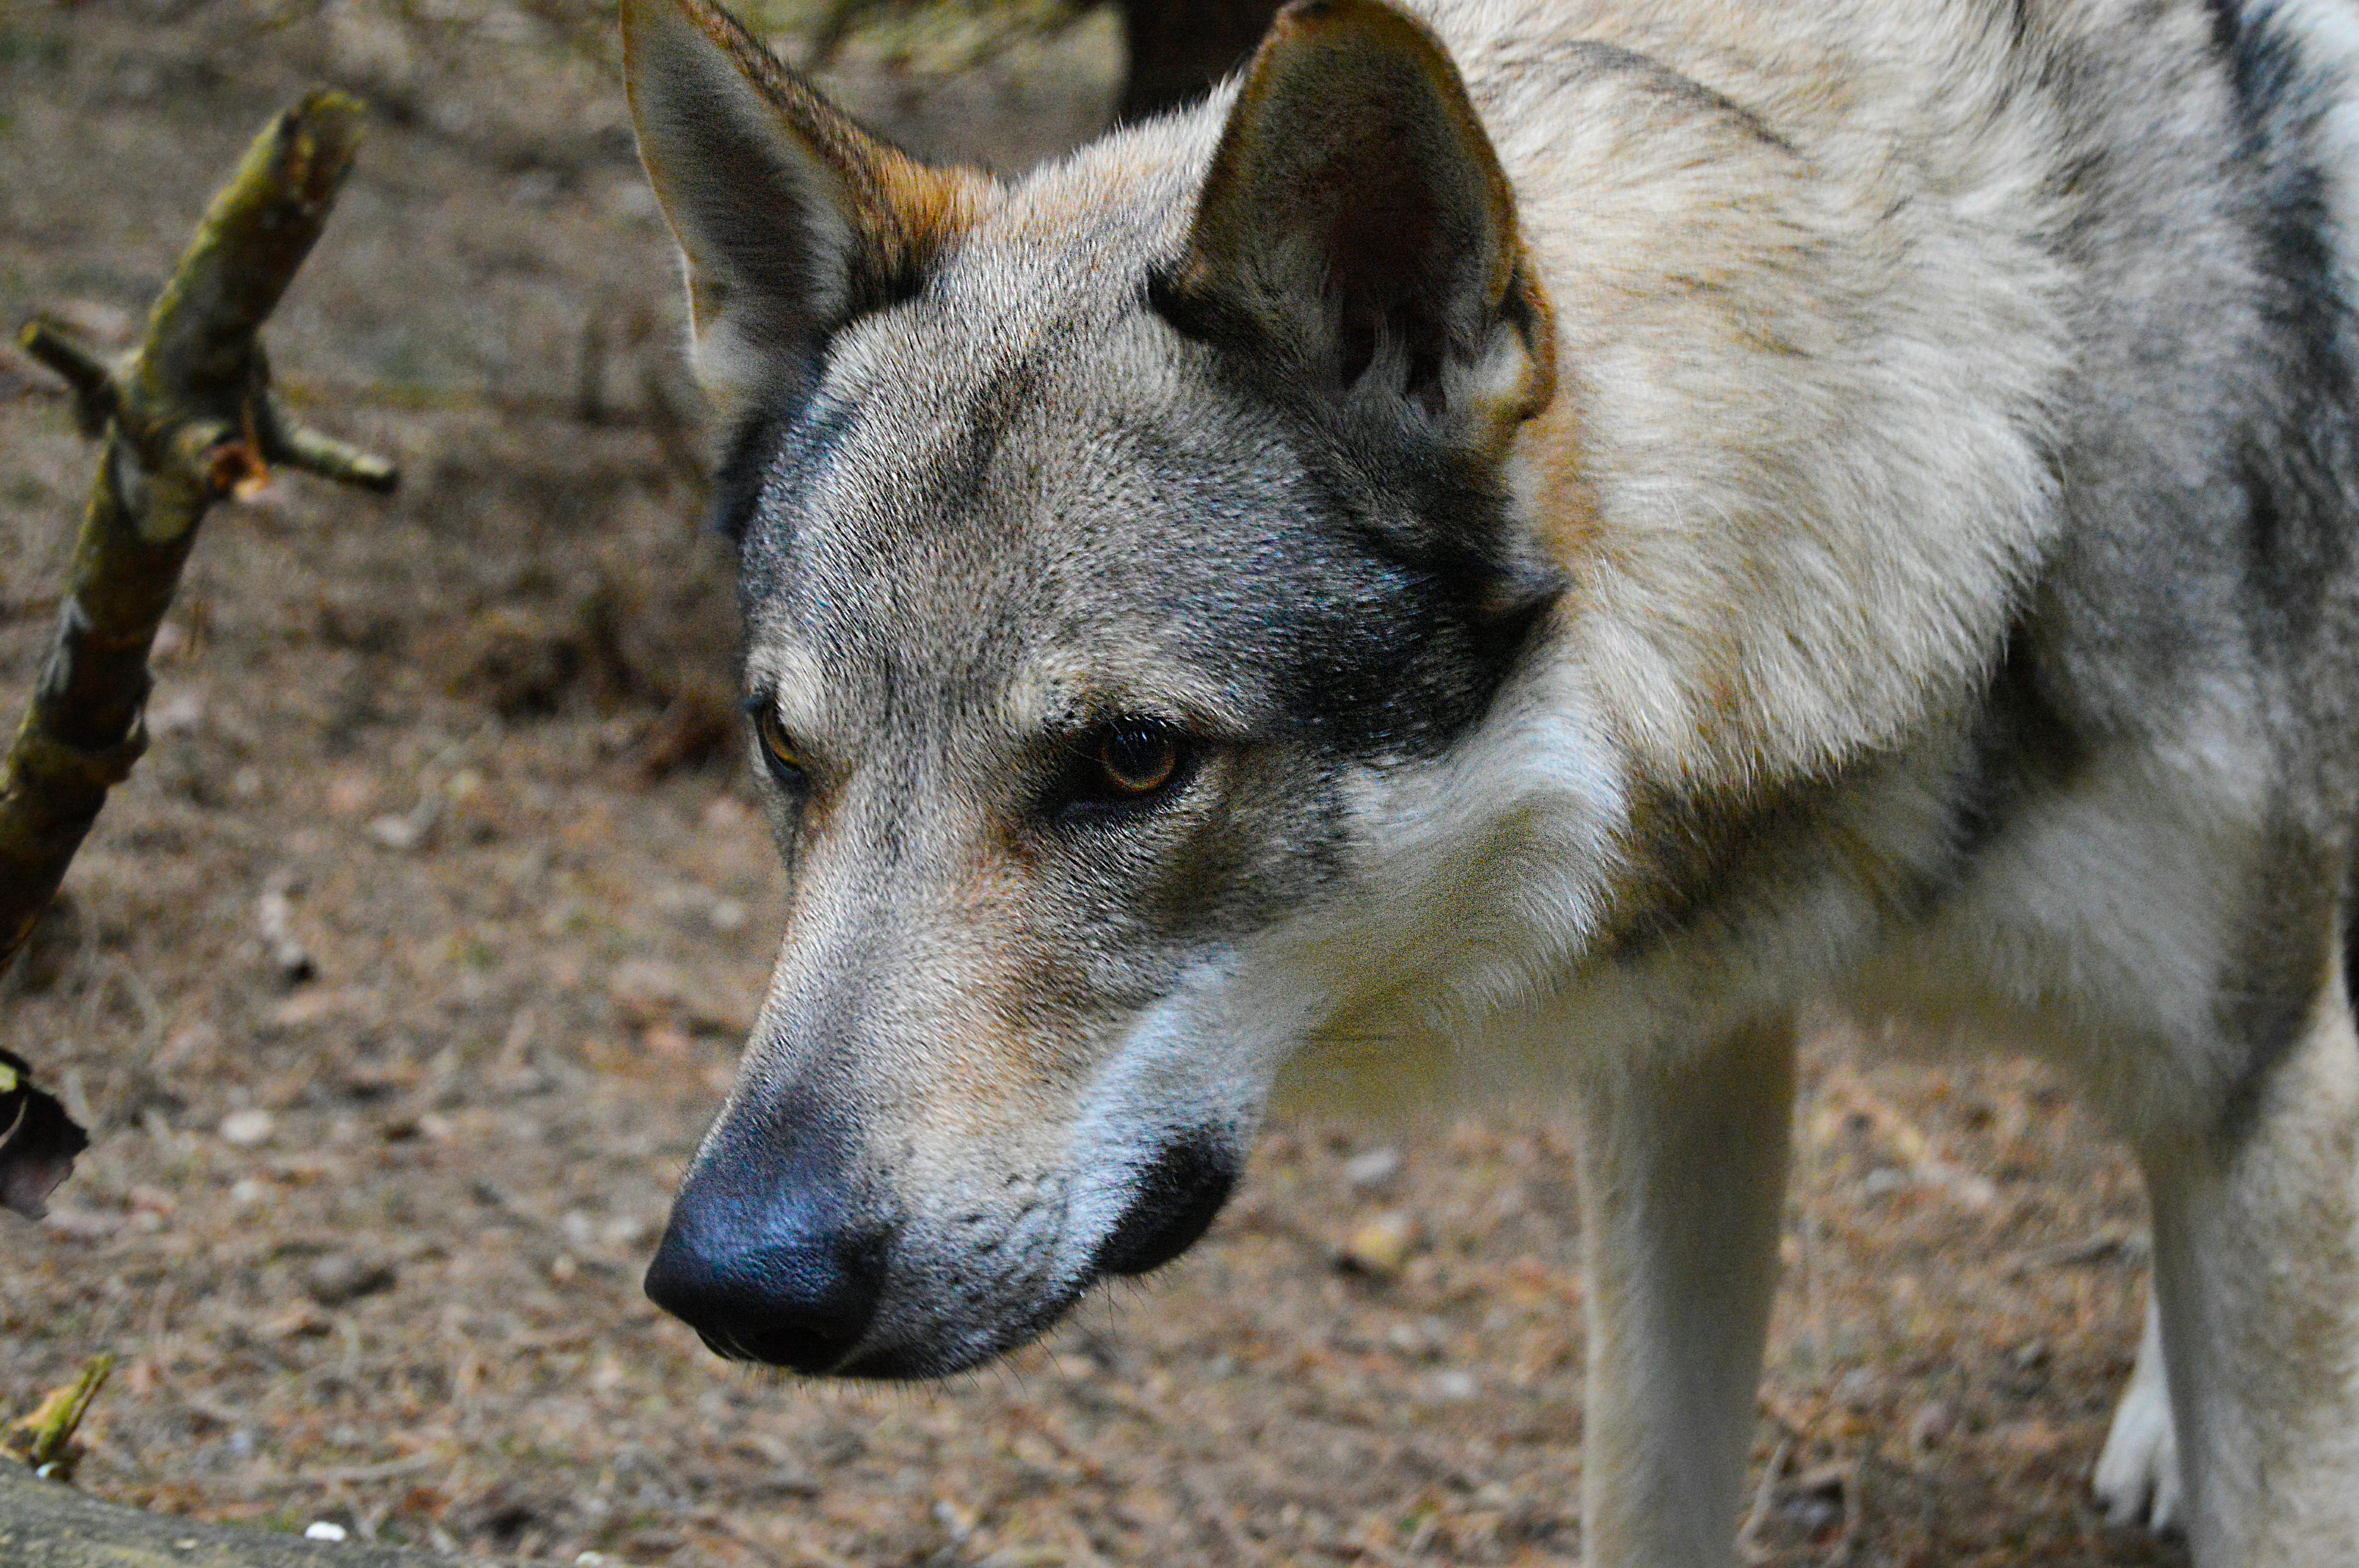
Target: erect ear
{"points": [[791, 219], [1356, 224]]}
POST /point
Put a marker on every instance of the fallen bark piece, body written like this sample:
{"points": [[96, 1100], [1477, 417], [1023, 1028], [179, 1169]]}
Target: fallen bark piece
{"points": [[341, 1277], [38, 1141], [44, 1525], [274, 914]]}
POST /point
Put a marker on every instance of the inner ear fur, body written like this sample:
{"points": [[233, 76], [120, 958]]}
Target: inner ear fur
{"points": [[791, 220], [1357, 222]]}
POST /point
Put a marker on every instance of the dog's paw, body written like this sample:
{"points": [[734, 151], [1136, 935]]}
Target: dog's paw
{"points": [[2136, 1478]]}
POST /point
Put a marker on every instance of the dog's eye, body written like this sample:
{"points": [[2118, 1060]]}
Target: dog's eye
{"points": [[778, 749], [1127, 763], [1137, 759]]}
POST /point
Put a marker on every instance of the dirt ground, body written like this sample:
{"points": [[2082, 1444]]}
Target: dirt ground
{"points": [[367, 1239]]}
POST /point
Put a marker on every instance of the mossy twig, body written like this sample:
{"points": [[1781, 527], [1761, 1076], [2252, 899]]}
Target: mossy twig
{"points": [[45, 1439], [91, 382], [188, 417]]}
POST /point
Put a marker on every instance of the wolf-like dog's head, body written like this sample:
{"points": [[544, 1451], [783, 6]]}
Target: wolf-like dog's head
{"points": [[1127, 553]]}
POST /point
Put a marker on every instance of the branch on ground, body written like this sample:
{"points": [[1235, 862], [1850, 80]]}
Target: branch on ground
{"points": [[46, 1525]]}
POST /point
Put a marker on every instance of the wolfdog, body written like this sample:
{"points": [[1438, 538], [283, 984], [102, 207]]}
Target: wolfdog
{"points": [[1646, 518]]}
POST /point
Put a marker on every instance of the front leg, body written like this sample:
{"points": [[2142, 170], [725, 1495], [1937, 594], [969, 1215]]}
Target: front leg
{"points": [[2257, 1278], [2137, 1474], [1682, 1181]]}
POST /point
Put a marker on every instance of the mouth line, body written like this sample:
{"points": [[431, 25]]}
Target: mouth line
{"points": [[1031, 1298]]}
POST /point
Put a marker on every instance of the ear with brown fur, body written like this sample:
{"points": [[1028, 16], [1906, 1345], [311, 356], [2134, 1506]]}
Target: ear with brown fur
{"points": [[791, 219], [1356, 228]]}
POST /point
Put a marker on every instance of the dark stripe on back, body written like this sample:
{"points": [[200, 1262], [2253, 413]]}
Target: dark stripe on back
{"points": [[2294, 464]]}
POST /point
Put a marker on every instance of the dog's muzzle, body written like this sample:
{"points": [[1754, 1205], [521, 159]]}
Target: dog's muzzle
{"points": [[779, 1251]]}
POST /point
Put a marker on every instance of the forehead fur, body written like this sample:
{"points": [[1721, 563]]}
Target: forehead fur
{"points": [[1022, 492], [1064, 249], [984, 443], [1066, 538]]}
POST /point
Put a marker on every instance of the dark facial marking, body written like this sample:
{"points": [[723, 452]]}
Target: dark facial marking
{"points": [[1176, 1198], [1379, 601], [772, 454]]}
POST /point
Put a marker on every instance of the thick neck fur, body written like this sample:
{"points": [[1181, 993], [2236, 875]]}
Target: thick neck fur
{"points": [[1807, 337]]}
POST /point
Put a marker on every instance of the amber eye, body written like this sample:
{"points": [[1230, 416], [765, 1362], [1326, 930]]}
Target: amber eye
{"points": [[1137, 759], [777, 748], [1124, 766]]}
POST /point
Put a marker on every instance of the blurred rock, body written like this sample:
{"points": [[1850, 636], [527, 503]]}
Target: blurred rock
{"points": [[1380, 1246], [248, 1129], [96, 323], [651, 995], [274, 912], [403, 834], [1930, 1427], [341, 1277], [727, 814], [1374, 1168], [179, 714], [1427, 1340], [648, 992], [81, 1224], [301, 1321]]}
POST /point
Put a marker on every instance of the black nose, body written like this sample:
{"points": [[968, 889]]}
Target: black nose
{"points": [[1174, 1199], [772, 1253]]}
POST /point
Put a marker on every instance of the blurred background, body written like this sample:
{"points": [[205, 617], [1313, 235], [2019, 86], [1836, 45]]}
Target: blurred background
{"points": [[399, 983]]}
